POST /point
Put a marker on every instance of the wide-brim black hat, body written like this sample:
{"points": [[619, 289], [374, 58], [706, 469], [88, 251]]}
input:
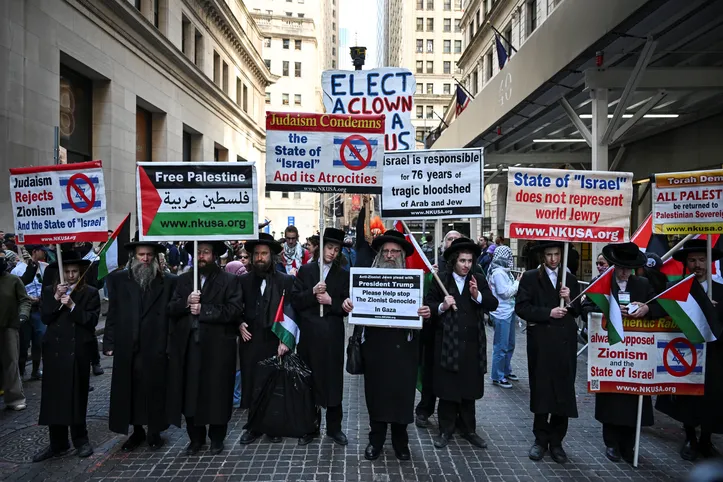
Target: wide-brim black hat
{"points": [[624, 255], [460, 244], [696, 246], [74, 258], [393, 236], [265, 239], [541, 246], [157, 247], [219, 247], [333, 235]]}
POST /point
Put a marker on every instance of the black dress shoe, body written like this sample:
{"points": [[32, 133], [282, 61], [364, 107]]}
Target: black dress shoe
{"points": [[708, 450], [558, 455], [421, 421], [689, 450], [275, 440], [47, 453], [133, 442], [248, 437], [193, 448], [628, 456], [475, 440], [216, 448], [306, 439], [403, 453], [38, 375], [613, 454], [537, 452], [155, 441], [372, 452], [442, 440], [98, 370], [85, 450], [339, 437]]}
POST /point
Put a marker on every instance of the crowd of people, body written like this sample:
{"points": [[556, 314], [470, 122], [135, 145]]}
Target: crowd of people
{"points": [[186, 344]]}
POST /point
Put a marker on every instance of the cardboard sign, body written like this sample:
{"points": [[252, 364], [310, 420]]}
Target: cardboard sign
{"points": [[386, 91], [324, 152], [196, 201], [655, 358], [59, 204], [688, 203], [433, 184], [566, 205], [386, 297]]}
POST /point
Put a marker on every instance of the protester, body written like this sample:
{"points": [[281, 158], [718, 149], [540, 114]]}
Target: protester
{"points": [[618, 412], [11, 258], [390, 362], [262, 289], [136, 336], [313, 248], [365, 255], [460, 345], [504, 287], [202, 364], [236, 268], [349, 253], [70, 310], [294, 256], [573, 259], [322, 345], [700, 411], [486, 258], [15, 306], [31, 273], [529, 256], [244, 257], [551, 349], [651, 271], [447, 241]]}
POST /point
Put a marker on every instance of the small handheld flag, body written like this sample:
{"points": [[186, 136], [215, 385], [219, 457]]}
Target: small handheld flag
{"points": [[285, 326], [600, 293], [113, 255]]}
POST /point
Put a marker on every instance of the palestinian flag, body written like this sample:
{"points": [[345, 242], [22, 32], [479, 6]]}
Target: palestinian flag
{"points": [[284, 325], [418, 260], [600, 292], [649, 242], [691, 309], [114, 255]]}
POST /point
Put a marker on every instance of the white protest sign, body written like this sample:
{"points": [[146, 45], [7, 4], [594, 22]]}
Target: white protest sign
{"points": [[388, 91], [432, 184], [386, 297], [59, 204]]}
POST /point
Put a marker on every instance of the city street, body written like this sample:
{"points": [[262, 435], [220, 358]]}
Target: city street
{"points": [[503, 419]]}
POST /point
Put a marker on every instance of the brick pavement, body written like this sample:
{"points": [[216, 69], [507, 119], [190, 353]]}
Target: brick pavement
{"points": [[503, 420]]}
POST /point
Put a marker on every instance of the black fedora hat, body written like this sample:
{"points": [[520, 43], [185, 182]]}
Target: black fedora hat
{"points": [[333, 235], [73, 258], [393, 236], [157, 247], [624, 255], [460, 244], [265, 239], [219, 247], [541, 246], [696, 246]]}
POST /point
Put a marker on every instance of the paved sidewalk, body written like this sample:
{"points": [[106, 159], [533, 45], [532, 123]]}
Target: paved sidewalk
{"points": [[503, 417]]}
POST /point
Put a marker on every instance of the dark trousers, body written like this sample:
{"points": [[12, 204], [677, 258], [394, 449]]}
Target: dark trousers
{"points": [[334, 416], [378, 434], [460, 415], [59, 436], [95, 354], [31, 332], [619, 437], [197, 433], [425, 407], [549, 429]]}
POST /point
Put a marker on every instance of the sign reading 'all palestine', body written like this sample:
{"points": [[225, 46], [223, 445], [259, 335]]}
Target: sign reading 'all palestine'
{"points": [[688, 202], [432, 184], [196, 201], [386, 297]]}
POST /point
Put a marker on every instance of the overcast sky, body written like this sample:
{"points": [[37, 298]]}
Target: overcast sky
{"points": [[359, 18]]}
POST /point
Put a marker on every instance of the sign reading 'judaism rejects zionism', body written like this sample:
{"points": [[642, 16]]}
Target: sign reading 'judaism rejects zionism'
{"points": [[386, 297]]}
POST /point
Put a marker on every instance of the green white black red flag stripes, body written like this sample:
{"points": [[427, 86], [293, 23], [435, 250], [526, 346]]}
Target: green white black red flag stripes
{"points": [[114, 255], [691, 309], [285, 326], [600, 293]]}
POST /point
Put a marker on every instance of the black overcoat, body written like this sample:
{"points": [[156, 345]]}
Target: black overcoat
{"points": [[67, 346], [468, 382], [137, 328], [202, 369], [551, 343], [321, 343], [259, 312]]}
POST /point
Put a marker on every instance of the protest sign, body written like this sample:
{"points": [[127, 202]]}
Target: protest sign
{"points": [[432, 184], [688, 202], [59, 204], [196, 201], [654, 359], [388, 90], [386, 297], [324, 152], [565, 205]]}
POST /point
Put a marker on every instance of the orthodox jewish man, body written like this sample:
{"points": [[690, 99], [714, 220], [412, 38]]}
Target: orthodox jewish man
{"points": [[618, 412], [136, 335], [322, 346], [551, 349], [701, 411], [70, 310], [391, 356], [202, 365], [262, 290], [460, 343]]}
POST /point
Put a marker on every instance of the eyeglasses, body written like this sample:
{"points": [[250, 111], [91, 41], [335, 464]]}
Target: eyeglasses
{"points": [[243, 257], [393, 252]]}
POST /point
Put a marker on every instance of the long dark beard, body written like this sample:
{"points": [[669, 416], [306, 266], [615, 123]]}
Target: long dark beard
{"points": [[262, 270], [144, 274], [208, 268]]}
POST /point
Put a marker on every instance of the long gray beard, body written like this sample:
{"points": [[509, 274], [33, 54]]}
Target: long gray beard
{"points": [[144, 274], [381, 262]]}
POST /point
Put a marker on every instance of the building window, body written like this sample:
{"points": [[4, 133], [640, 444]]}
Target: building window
{"points": [[420, 66], [458, 4], [420, 135], [444, 110], [447, 24], [297, 195], [156, 17], [137, 4], [144, 135], [430, 46], [186, 146], [471, 32], [430, 88], [447, 5], [447, 47], [430, 112], [268, 97], [285, 99], [430, 4], [430, 25], [220, 153], [420, 4], [447, 67], [333, 63], [420, 24], [475, 82], [267, 194], [457, 46], [186, 31], [333, 51], [447, 89], [490, 65], [297, 44], [457, 25], [420, 46], [239, 91], [289, 14], [531, 12], [285, 43], [245, 99], [285, 68], [297, 99], [225, 77], [420, 111], [216, 68], [76, 115], [508, 37], [297, 69], [284, 195], [267, 42], [198, 50], [268, 63], [430, 67]]}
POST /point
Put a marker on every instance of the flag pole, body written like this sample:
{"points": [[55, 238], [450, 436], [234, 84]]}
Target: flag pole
{"points": [[564, 270], [61, 273], [637, 431], [321, 246], [709, 257], [675, 248]]}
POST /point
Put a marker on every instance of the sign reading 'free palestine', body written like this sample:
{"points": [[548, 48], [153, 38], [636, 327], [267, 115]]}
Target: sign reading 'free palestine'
{"points": [[196, 201]]}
